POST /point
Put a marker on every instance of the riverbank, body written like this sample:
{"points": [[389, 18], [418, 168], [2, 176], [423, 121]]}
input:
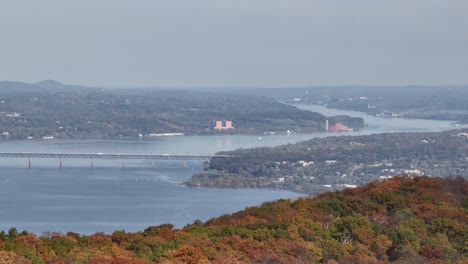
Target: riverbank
{"points": [[335, 163], [63, 112], [328, 163], [443, 102], [108, 198]]}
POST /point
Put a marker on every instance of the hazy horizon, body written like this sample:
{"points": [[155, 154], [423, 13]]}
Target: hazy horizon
{"points": [[237, 87], [226, 43]]}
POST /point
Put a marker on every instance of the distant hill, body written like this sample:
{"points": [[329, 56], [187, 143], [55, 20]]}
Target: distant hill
{"points": [[401, 220], [52, 109], [443, 102], [49, 83], [12, 88]]}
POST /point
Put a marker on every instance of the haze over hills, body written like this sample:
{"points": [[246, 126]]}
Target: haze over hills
{"points": [[443, 102], [51, 109], [15, 87], [11, 87], [52, 84], [197, 77]]}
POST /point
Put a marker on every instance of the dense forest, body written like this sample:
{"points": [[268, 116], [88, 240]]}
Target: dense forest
{"points": [[331, 163], [400, 220], [53, 110]]}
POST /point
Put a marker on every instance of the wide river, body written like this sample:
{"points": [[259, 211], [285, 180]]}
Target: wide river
{"points": [[108, 197]]}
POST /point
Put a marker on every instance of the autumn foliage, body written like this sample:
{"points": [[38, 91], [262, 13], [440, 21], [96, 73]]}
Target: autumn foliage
{"points": [[401, 220]]}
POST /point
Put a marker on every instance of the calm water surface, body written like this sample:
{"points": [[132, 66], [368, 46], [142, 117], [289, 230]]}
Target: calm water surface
{"points": [[107, 197]]}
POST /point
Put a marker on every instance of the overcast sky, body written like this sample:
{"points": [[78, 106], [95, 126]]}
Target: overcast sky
{"points": [[235, 42]]}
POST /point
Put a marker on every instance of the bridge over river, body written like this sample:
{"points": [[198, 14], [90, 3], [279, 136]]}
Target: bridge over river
{"points": [[107, 156]]}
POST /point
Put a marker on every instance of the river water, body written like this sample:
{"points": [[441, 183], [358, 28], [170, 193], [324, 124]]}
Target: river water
{"points": [[108, 197]]}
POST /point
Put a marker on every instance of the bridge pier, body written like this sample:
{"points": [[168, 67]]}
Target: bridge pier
{"points": [[123, 164], [154, 164], [91, 165], [60, 163], [29, 163]]}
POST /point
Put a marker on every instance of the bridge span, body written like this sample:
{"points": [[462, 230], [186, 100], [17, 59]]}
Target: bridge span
{"points": [[108, 156]]}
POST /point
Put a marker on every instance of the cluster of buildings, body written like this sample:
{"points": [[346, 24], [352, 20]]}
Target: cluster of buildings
{"points": [[338, 127], [223, 125]]}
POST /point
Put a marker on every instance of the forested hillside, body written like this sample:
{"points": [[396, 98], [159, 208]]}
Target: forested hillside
{"points": [[444, 102], [401, 220], [50, 109], [336, 162]]}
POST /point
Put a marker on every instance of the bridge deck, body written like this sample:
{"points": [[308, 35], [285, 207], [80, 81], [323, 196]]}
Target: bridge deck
{"points": [[107, 156]]}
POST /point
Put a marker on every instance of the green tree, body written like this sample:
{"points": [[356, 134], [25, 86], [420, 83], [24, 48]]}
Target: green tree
{"points": [[12, 233]]}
